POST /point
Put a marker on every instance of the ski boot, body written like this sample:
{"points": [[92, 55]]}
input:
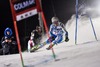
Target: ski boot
{"points": [[33, 50], [38, 47], [50, 46]]}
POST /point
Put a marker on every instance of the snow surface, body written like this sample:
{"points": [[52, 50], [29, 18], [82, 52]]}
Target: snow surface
{"points": [[85, 54]]}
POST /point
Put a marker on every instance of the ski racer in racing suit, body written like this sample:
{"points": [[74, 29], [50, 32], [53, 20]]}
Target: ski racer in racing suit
{"points": [[57, 30]]}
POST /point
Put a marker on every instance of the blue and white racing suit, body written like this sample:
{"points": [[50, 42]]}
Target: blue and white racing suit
{"points": [[56, 34]]}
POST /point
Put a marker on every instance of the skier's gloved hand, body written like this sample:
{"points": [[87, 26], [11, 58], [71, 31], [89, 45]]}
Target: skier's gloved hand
{"points": [[66, 37]]}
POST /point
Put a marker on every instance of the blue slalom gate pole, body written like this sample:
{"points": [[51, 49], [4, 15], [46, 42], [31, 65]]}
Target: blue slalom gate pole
{"points": [[93, 27], [76, 21]]}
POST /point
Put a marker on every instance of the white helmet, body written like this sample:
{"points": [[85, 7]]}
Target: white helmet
{"points": [[54, 19]]}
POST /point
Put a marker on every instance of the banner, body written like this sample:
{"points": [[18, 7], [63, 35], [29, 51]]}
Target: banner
{"points": [[24, 8]]}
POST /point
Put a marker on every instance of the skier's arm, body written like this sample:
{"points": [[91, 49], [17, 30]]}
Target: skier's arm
{"points": [[51, 28], [66, 35], [62, 25]]}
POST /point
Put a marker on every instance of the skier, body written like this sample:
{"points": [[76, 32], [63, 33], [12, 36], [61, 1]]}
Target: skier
{"points": [[57, 30], [37, 35]]}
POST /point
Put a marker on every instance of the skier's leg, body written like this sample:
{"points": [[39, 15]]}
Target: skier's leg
{"points": [[51, 38], [57, 40]]}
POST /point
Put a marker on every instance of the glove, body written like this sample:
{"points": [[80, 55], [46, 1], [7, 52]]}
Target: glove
{"points": [[66, 39]]}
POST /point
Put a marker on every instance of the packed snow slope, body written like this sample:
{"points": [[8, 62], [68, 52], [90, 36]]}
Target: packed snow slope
{"points": [[85, 54]]}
